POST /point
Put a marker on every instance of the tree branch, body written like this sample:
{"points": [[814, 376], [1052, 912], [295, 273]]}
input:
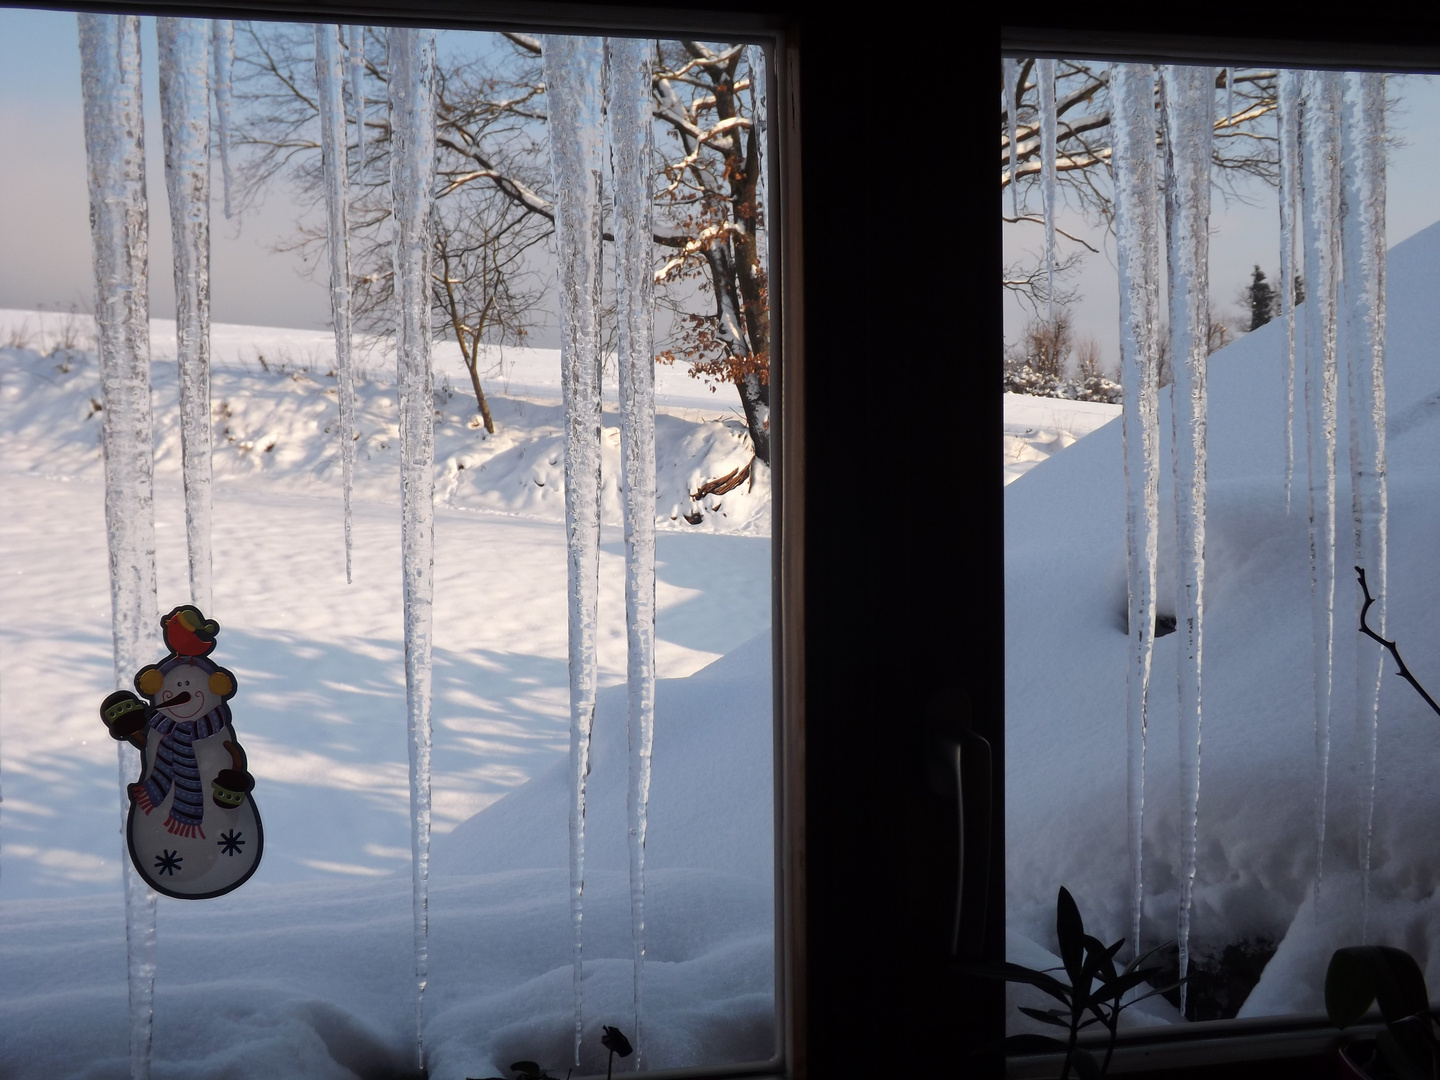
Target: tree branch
{"points": [[1404, 671]]}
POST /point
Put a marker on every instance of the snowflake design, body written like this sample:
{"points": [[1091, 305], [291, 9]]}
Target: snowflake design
{"points": [[169, 863], [230, 842]]}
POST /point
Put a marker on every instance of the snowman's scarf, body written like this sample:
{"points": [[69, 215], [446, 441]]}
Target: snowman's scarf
{"points": [[175, 764]]}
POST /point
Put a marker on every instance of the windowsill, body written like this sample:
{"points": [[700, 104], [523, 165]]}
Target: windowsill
{"points": [[1301, 1045]]}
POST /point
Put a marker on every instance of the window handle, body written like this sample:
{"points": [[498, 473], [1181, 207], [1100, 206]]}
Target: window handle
{"points": [[973, 785]]}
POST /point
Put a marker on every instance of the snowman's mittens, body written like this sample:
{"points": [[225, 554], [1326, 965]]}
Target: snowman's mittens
{"points": [[141, 797], [123, 713], [229, 787], [184, 828]]}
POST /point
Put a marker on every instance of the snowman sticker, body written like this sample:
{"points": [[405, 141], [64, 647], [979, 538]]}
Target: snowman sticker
{"points": [[193, 829]]}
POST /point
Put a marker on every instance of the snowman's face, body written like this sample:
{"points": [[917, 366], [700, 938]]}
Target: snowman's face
{"points": [[185, 678]]}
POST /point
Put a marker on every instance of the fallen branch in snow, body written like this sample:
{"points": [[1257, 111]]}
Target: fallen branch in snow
{"points": [[1404, 671], [729, 482]]}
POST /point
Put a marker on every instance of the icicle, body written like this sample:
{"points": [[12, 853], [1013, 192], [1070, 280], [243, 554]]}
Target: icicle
{"points": [[184, 58], [115, 154], [1364, 267], [1321, 175], [222, 32], [1045, 76], [761, 119], [356, 47], [1132, 88], [1189, 103], [573, 67], [329, 83], [632, 143], [411, 59], [1010, 73], [1288, 123], [1229, 116]]}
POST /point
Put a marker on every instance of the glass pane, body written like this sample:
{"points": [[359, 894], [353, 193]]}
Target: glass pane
{"points": [[309, 966], [1310, 827]]}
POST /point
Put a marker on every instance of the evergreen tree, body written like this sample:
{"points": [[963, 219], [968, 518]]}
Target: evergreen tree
{"points": [[1262, 299]]}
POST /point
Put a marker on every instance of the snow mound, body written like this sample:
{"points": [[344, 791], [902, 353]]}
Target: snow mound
{"points": [[1065, 682], [711, 804]]}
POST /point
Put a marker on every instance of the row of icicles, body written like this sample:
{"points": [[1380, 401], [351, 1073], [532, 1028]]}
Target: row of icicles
{"points": [[114, 136], [1331, 138]]}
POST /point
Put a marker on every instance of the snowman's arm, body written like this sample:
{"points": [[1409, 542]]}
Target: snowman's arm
{"points": [[230, 785], [126, 717]]}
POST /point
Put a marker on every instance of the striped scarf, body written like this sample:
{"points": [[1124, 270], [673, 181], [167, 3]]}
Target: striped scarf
{"points": [[175, 764]]}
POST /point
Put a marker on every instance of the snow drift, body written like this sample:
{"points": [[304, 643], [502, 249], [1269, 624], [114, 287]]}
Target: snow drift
{"points": [[1066, 642]]}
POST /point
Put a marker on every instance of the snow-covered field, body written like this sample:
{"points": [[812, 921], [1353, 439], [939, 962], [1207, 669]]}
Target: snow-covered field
{"points": [[1038, 427], [306, 970], [1066, 645]]}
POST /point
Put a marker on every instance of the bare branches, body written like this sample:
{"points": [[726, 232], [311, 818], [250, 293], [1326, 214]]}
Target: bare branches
{"points": [[1394, 650]]}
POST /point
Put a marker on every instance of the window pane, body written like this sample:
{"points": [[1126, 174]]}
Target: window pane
{"points": [[1312, 789], [313, 959]]}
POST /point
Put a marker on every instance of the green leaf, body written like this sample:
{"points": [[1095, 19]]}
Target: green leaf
{"points": [[1050, 1016], [1399, 984], [1070, 929]]}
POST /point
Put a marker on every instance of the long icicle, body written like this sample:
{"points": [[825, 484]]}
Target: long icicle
{"points": [[1010, 74], [1288, 124], [329, 84], [573, 72], [411, 58], [355, 46], [222, 38], [1320, 171], [184, 58], [1045, 76], [632, 144], [1132, 88], [1364, 266], [1190, 106], [115, 154]]}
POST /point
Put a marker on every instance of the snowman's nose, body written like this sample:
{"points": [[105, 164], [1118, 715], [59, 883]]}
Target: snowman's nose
{"points": [[178, 699]]}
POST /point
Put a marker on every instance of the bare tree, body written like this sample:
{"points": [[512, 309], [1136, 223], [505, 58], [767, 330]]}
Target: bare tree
{"points": [[491, 141], [1244, 148], [485, 289]]}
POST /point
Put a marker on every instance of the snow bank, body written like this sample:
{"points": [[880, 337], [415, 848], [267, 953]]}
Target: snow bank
{"points": [[307, 969], [1065, 683]]}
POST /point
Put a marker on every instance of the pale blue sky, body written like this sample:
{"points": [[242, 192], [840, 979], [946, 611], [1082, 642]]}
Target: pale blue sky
{"points": [[44, 225]]}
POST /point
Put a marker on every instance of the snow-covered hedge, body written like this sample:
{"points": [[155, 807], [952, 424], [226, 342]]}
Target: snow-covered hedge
{"points": [[1023, 379]]}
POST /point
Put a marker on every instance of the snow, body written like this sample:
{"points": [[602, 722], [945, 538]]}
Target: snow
{"points": [[312, 959], [1038, 427], [1065, 683]]}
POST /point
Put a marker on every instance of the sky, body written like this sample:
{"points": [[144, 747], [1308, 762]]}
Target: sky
{"points": [[1246, 233], [45, 235]]}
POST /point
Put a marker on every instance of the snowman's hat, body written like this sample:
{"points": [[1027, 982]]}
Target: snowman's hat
{"points": [[188, 632]]}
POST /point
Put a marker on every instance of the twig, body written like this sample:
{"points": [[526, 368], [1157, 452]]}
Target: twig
{"points": [[1404, 671]]}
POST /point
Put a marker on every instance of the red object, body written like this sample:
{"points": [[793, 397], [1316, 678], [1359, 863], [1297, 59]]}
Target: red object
{"points": [[189, 633]]}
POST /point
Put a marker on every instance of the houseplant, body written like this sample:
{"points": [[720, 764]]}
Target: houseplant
{"points": [[1095, 993], [1363, 975]]}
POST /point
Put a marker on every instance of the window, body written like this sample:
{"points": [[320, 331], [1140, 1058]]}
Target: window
{"points": [[1104, 597], [352, 800]]}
